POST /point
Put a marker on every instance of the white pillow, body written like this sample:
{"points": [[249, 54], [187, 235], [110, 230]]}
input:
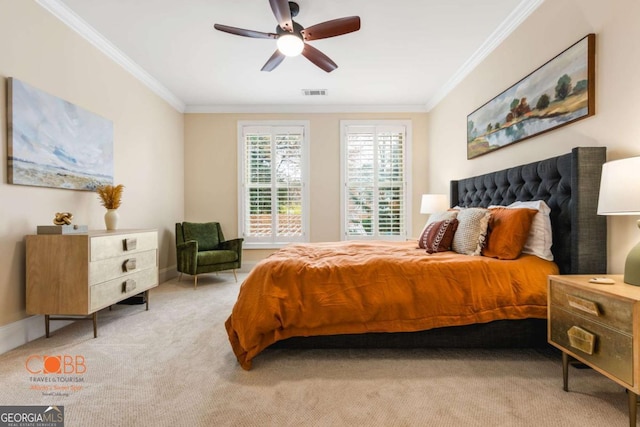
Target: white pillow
{"points": [[540, 237]]}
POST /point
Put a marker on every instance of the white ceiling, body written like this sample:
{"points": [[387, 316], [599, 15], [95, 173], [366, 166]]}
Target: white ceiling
{"points": [[407, 55]]}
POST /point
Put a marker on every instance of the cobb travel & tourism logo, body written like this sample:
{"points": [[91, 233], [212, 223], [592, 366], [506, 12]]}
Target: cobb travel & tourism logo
{"points": [[31, 416], [57, 375]]}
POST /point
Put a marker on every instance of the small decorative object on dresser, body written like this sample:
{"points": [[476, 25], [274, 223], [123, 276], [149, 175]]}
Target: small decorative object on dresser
{"points": [[111, 198], [62, 221], [80, 274], [63, 218], [597, 323]]}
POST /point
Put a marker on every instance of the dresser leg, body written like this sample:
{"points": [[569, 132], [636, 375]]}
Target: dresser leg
{"points": [[633, 407], [46, 325], [565, 371], [95, 324], [146, 298]]}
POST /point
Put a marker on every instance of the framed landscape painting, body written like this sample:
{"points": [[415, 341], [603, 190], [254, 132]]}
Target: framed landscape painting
{"points": [[54, 143], [560, 92]]}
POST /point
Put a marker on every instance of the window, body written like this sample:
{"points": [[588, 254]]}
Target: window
{"points": [[273, 202], [375, 179]]}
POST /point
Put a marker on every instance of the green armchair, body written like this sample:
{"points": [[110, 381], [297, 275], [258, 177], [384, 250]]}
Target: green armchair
{"points": [[201, 248]]}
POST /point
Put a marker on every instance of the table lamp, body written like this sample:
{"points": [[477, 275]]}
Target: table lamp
{"points": [[620, 195], [432, 203]]}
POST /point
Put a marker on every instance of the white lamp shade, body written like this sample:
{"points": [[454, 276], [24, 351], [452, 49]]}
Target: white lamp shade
{"points": [[620, 187], [290, 45], [432, 203]]}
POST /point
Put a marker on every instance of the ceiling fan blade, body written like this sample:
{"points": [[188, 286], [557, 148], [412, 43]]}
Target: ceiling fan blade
{"points": [[318, 58], [335, 27], [282, 13], [274, 61], [245, 33]]}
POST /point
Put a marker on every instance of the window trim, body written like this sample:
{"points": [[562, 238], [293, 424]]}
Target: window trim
{"points": [[344, 125], [305, 164]]}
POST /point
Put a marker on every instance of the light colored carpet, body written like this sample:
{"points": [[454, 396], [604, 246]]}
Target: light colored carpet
{"points": [[173, 366]]}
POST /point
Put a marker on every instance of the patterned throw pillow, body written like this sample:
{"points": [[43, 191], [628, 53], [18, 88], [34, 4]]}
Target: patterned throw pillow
{"points": [[438, 235], [508, 232], [471, 232], [439, 216]]}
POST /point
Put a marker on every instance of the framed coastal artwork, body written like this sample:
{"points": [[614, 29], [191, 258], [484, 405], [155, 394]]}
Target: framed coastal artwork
{"points": [[54, 143], [560, 92]]}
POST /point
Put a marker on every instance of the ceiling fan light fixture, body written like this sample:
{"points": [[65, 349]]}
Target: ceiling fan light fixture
{"points": [[290, 45]]}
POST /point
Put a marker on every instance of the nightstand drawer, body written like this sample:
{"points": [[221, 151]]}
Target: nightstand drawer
{"points": [[612, 312], [612, 351]]}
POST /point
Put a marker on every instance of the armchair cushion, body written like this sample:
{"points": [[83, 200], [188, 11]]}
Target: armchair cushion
{"points": [[206, 234], [216, 257]]}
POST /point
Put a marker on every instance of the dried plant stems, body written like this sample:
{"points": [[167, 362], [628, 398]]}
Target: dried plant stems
{"points": [[110, 195]]}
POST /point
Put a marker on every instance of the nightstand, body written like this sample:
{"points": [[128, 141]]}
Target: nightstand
{"points": [[598, 325]]}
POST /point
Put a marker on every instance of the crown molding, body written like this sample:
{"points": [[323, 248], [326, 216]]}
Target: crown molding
{"points": [[513, 21], [73, 21], [293, 108]]}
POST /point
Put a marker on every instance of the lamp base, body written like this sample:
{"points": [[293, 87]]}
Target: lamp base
{"points": [[632, 267]]}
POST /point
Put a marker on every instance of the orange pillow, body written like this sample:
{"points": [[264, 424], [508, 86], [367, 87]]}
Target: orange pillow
{"points": [[508, 232]]}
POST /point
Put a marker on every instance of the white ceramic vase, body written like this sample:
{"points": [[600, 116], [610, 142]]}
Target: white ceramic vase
{"points": [[111, 219]]}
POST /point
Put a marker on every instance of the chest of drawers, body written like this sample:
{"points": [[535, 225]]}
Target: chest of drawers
{"points": [[599, 325], [79, 274]]}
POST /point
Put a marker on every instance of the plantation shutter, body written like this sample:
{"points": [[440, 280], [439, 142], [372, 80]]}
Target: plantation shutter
{"points": [[273, 184], [374, 175]]}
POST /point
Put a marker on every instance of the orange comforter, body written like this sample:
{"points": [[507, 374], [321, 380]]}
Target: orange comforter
{"points": [[357, 287]]}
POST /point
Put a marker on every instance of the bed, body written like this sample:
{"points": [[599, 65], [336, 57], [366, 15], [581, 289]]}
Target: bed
{"points": [[381, 294]]}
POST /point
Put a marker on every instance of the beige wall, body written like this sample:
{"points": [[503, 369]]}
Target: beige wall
{"points": [[148, 142], [553, 27], [211, 175]]}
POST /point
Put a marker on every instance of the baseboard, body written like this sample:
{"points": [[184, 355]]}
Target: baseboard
{"points": [[167, 273], [247, 266], [171, 271], [21, 332]]}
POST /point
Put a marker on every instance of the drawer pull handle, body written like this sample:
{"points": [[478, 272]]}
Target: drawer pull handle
{"points": [[129, 244], [582, 340], [129, 265], [583, 305], [128, 285]]}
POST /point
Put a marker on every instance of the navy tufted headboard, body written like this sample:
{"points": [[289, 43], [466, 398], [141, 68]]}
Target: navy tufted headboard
{"points": [[569, 184]]}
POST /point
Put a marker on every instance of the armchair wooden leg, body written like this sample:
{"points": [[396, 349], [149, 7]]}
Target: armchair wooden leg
{"points": [[195, 281], [234, 275]]}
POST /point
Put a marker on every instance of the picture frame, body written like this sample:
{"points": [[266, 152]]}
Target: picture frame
{"points": [[560, 92], [54, 143]]}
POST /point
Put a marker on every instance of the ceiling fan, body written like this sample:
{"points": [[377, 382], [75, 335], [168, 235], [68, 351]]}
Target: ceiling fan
{"points": [[292, 37]]}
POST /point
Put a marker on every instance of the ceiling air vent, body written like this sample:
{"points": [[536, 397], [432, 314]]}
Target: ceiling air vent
{"points": [[314, 92]]}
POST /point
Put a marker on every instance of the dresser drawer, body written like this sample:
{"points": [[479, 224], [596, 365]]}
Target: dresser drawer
{"points": [[613, 312], [111, 268], [107, 293], [612, 350], [103, 247]]}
